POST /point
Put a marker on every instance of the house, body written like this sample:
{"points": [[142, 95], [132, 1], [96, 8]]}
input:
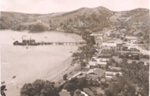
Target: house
{"points": [[92, 63], [98, 37], [131, 39], [115, 68], [64, 93], [102, 59], [102, 64], [107, 49], [109, 44], [134, 56], [98, 62], [94, 74], [97, 34], [104, 55], [109, 74]]}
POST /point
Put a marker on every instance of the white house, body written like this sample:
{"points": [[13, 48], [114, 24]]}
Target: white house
{"points": [[115, 68], [98, 62], [102, 64], [96, 34], [92, 64], [109, 44], [111, 74], [102, 59]]}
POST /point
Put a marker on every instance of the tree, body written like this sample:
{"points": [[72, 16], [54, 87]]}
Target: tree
{"points": [[3, 89], [39, 88], [122, 87], [84, 54], [65, 77], [82, 83], [134, 75], [71, 87], [38, 27]]}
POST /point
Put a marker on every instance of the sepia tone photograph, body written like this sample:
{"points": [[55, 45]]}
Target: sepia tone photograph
{"points": [[74, 47]]}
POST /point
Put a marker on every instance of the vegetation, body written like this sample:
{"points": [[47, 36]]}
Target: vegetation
{"points": [[3, 89], [65, 77], [39, 88], [133, 82], [38, 27], [85, 52], [76, 83], [95, 19]]}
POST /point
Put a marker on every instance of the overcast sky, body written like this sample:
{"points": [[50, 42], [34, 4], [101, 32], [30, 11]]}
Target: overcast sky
{"points": [[49, 6]]}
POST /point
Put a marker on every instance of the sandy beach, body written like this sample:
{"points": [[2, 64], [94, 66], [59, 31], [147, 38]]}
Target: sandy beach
{"points": [[36, 62]]}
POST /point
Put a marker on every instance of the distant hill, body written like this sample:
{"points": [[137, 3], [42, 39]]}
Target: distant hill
{"points": [[92, 19]]}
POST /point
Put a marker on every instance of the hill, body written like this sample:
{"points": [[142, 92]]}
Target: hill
{"points": [[91, 19]]}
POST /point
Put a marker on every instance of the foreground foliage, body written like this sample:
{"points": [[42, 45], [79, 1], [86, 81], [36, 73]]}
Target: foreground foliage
{"points": [[39, 88], [133, 83]]}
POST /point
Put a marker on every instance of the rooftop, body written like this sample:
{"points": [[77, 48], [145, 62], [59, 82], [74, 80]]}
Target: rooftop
{"points": [[64, 93]]}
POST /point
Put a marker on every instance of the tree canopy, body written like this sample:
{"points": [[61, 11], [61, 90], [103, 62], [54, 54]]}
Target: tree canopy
{"points": [[39, 88]]}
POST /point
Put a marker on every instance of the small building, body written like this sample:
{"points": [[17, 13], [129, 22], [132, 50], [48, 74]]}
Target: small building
{"points": [[109, 74], [98, 37], [104, 55], [102, 64], [94, 74], [131, 39], [115, 68], [109, 44], [97, 34], [92, 64], [102, 59], [107, 50]]}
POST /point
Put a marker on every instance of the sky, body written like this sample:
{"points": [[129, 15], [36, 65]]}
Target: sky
{"points": [[50, 6]]}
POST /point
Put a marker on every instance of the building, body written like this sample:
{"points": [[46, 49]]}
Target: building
{"points": [[98, 38], [100, 61], [94, 74], [92, 64], [101, 64], [112, 73], [109, 44], [131, 39], [115, 68], [107, 50]]}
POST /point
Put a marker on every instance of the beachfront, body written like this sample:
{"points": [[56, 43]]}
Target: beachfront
{"points": [[42, 62]]}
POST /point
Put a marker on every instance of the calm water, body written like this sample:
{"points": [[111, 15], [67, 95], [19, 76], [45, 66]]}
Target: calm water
{"points": [[34, 62]]}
